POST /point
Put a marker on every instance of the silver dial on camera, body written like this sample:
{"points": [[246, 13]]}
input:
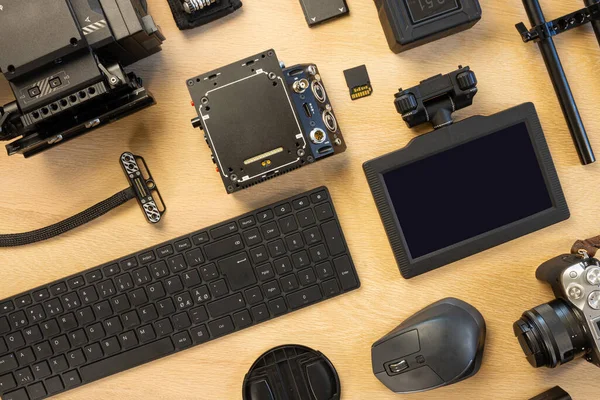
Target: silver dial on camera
{"points": [[575, 292], [594, 300], [593, 276]]}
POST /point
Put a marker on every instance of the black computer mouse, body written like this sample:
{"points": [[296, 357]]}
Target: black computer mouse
{"points": [[438, 346]]}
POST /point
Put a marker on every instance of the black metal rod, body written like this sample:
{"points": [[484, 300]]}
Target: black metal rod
{"points": [[595, 23], [561, 86]]}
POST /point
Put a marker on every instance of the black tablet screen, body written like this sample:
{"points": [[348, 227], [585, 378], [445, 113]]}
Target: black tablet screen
{"points": [[468, 190]]}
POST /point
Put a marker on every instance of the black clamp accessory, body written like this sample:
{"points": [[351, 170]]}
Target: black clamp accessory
{"points": [[190, 14], [142, 187], [556, 393], [435, 99], [542, 33]]}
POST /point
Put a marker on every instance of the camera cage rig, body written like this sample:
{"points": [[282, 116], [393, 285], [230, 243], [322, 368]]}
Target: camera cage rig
{"points": [[542, 33], [70, 77]]}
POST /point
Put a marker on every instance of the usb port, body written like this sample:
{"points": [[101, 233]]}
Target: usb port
{"points": [[307, 110]]}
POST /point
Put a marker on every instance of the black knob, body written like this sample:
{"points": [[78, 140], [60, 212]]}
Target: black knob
{"points": [[406, 103], [466, 80]]}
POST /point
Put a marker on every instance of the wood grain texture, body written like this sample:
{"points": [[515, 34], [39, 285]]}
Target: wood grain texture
{"points": [[499, 282]]}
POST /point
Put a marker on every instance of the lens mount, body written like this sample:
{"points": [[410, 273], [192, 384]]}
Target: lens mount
{"points": [[552, 334]]}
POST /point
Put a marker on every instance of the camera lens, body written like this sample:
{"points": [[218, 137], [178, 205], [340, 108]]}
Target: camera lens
{"points": [[551, 334]]}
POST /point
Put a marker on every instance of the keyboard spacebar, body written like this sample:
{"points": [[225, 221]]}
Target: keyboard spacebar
{"points": [[126, 360]]}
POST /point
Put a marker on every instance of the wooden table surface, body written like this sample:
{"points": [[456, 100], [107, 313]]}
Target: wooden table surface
{"points": [[500, 282]]}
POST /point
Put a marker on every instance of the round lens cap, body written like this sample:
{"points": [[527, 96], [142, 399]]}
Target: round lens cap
{"points": [[292, 371]]}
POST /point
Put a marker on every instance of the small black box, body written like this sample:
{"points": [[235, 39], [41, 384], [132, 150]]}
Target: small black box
{"points": [[411, 23]]}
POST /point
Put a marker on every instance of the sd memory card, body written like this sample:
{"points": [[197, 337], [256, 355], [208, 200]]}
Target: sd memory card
{"points": [[317, 11], [358, 82]]}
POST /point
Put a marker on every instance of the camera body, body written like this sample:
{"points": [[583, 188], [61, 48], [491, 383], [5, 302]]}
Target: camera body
{"points": [[568, 327], [67, 76]]}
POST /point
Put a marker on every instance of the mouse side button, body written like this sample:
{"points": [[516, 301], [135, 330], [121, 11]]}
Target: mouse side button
{"points": [[416, 380], [394, 347]]}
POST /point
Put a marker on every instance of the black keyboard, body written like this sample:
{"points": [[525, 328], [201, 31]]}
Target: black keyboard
{"points": [[178, 294]]}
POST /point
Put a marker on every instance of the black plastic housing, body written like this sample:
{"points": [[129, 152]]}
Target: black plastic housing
{"points": [[403, 34]]}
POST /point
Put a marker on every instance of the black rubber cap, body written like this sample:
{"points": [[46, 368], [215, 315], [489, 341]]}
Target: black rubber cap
{"points": [[467, 80], [406, 103], [292, 371]]}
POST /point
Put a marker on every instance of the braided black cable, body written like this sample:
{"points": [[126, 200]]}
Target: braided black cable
{"points": [[20, 239]]}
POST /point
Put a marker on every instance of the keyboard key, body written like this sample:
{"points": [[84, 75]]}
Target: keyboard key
{"points": [[138, 297], [42, 350], [58, 289], [111, 346], [59, 364], [330, 288], [163, 327], [276, 248], [277, 306], [201, 294], [223, 230], [156, 291], [312, 235], [177, 263], [165, 251], [289, 282], [252, 237], [253, 296], [54, 385], [264, 216], [70, 301], [238, 271], [88, 295], [166, 307], [173, 285], [7, 363], [304, 297], [294, 242], [128, 359], [18, 319], [41, 370], [53, 307], [300, 203], [130, 319], [60, 344], [200, 239], [93, 276], [218, 288], [223, 247], [318, 253], [32, 334], [141, 276], [247, 222], [182, 340], [199, 334], [183, 301], [15, 340], [242, 319], [319, 196], [333, 238], [259, 255], [199, 315], [270, 231], [324, 270], [50, 328], [260, 313], [221, 327], [20, 394], [106, 289], [71, 379], [147, 257], [128, 263], [306, 218], [120, 303], [271, 289], [112, 326], [183, 245], [226, 305], [3, 346], [300, 259], [191, 278], [146, 333], [194, 257], [288, 224], [307, 276], [323, 212], [102, 309], [181, 321], [36, 391], [93, 352], [345, 272], [209, 272], [85, 316], [75, 358], [25, 356], [23, 301], [124, 282], [283, 265], [40, 295], [95, 331], [283, 209], [6, 307], [128, 340], [7, 382], [159, 269], [265, 272]]}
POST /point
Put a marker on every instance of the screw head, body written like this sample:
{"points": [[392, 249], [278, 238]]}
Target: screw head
{"points": [[301, 152], [233, 177]]}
